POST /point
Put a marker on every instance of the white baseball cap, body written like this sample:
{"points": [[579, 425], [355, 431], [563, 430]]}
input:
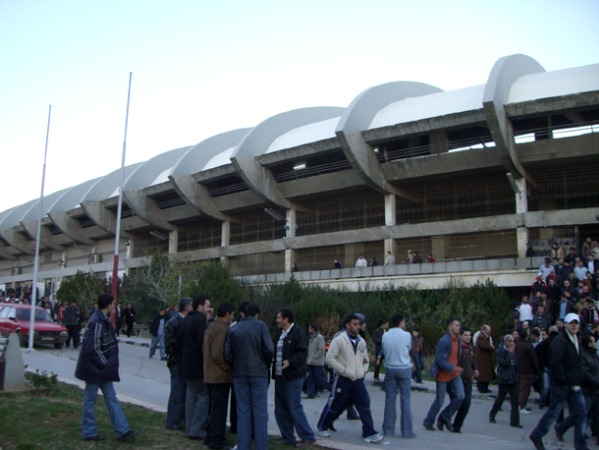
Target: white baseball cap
{"points": [[571, 317]]}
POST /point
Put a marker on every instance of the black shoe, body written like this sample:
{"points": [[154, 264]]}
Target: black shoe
{"points": [[448, 425], [429, 427], [492, 420], [95, 438], [537, 442], [456, 430], [195, 438], [440, 424], [332, 428], [517, 426], [127, 435], [558, 434]]}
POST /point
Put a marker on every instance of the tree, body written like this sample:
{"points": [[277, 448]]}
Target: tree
{"points": [[83, 288]]}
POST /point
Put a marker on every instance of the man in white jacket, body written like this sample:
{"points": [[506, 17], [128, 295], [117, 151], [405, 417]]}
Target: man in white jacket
{"points": [[348, 357]]}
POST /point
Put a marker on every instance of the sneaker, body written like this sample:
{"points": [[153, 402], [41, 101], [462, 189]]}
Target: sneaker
{"points": [[374, 438], [524, 411], [323, 433]]}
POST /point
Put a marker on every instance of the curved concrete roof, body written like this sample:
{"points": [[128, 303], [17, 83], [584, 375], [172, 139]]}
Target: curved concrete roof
{"points": [[358, 117], [513, 80], [541, 85], [259, 178], [210, 153]]}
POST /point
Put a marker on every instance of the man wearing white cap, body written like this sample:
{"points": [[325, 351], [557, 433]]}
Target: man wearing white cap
{"points": [[565, 375]]}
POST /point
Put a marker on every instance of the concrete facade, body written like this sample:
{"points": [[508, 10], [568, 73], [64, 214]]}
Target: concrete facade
{"points": [[468, 175]]}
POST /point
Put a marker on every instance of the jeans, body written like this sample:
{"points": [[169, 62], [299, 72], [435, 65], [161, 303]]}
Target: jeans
{"points": [[458, 421], [544, 395], [117, 417], [157, 341], [455, 388], [316, 379], [502, 392], [558, 395], [197, 405], [398, 379], [251, 393], [176, 399], [418, 366], [289, 411]]}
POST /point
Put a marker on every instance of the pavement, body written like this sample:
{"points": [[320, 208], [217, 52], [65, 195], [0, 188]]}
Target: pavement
{"points": [[146, 382]]}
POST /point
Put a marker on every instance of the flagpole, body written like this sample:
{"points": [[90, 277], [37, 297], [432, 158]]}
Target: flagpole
{"points": [[117, 237], [37, 241]]}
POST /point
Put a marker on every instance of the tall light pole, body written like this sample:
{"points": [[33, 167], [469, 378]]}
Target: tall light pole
{"points": [[117, 237], [37, 240]]}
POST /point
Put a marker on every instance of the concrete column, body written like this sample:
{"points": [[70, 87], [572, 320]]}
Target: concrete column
{"points": [[437, 247], [290, 226], [390, 220], [439, 142], [225, 240], [522, 234], [173, 242]]}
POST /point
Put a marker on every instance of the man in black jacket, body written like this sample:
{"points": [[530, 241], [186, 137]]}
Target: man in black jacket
{"points": [[565, 375], [197, 401], [289, 372], [157, 331], [98, 366], [172, 343]]}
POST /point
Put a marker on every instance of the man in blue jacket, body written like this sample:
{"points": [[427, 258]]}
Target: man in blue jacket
{"points": [[98, 366], [446, 373]]}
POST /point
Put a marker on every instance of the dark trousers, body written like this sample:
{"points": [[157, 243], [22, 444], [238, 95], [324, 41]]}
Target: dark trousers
{"points": [[460, 416], [482, 386], [343, 391], [217, 417], [129, 328], [176, 400], [316, 380], [233, 413], [504, 389], [73, 331]]}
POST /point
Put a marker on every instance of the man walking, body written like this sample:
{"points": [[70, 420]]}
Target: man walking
{"points": [[483, 353], [129, 319], [71, 317], [172, 342], [348, 357], [289, 372], [446, 373], [469, 372], [397, 344], [316, 375], [249, 349], [98, 366], [565, 376], [197, 401], [218, 375], [157, 331], [377, 338]]}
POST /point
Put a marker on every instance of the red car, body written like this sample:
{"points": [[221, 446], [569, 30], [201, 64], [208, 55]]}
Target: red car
{"points": [[16, 319]]}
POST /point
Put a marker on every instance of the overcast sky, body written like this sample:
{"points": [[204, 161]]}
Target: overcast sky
{"points": [[201, 68]]}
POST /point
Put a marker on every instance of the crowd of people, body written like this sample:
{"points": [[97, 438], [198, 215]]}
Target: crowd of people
{"points": [[221, 363]]}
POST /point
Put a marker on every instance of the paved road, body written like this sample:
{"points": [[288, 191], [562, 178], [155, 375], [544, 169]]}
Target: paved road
{"points": [[145, 382]]}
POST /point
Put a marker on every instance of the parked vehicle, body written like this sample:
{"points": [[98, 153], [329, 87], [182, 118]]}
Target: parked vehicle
{"points": [[16, 319]]}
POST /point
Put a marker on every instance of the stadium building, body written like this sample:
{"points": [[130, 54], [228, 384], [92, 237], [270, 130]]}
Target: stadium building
{"points": [[471, 176]]}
